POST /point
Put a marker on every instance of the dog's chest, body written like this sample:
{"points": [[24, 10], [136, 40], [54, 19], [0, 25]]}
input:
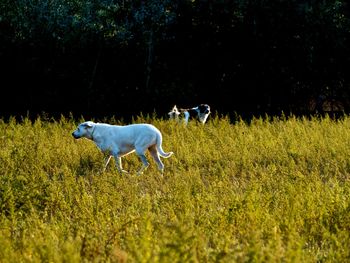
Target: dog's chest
{"points": [[104, 146]]}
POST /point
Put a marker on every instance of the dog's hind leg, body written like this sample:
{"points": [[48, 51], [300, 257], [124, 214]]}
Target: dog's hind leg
{"points": [[154, 153], [145, 164]]}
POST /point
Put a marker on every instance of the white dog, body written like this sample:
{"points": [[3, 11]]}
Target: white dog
{"points": [[200, 112], [118, 141]]}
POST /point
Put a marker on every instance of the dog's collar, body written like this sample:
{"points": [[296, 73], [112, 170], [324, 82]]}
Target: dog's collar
{"points": [[92, 132]]}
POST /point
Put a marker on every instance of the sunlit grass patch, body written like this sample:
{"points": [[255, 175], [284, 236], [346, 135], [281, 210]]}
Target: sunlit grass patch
{"points": [[274, 189]]}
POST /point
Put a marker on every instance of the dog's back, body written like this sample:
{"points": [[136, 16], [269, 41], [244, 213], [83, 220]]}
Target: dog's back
{"points": [[200, 113], [131, 132]]}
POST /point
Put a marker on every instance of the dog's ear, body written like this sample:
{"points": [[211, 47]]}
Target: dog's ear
{"points": [[173, 110], [88, 124]]}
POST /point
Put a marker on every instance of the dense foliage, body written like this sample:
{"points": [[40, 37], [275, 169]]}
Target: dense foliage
{"points": [[128, 56], [274, 190]]}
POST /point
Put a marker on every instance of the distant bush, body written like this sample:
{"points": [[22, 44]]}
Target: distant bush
{"points": [[239, 55]]}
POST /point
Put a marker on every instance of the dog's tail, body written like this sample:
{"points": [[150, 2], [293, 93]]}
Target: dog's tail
{"points": [[160, 149]]}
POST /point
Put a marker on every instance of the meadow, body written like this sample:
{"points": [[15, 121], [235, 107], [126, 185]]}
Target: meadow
{"points": [[271, 190]]}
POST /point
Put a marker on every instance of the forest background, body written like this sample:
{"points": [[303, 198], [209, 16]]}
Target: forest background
{"points": [[122, 57]]}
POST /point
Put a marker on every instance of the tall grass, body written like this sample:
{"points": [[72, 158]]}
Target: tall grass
{"points": [[273, 190]]}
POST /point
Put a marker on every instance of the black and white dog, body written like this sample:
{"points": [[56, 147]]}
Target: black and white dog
{"points": [[200, 113]]}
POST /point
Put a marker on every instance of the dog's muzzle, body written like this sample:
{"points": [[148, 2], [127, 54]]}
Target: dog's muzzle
{"points": [[75, 136]]}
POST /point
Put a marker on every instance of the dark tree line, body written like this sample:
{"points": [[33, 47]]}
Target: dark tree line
{"points": [[120, 57]]}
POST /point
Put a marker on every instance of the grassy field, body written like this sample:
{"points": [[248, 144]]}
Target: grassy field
{"points": [[273, 190]]}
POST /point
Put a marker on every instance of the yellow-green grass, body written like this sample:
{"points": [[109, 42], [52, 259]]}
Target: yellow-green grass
{"points": [[272, 190]]}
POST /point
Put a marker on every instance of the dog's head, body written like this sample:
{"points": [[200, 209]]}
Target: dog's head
{"points": [[203, 111], [84, 129], [174, 113]]}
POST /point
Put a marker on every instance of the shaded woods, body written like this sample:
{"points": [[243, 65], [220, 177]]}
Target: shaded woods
{"points": [[110, 57]]}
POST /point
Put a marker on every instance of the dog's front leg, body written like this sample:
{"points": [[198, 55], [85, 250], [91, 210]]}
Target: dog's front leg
{"points": [[119, 165], [108, 158]]}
